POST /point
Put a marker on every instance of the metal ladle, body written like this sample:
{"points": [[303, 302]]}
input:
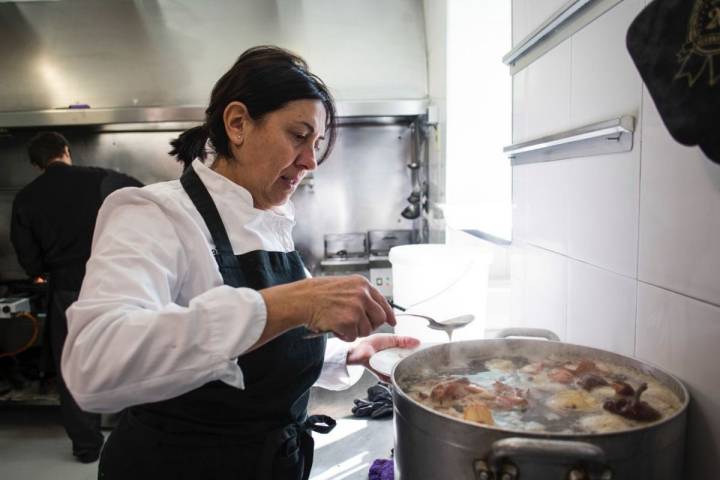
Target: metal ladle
{"points": [[446, 325]]}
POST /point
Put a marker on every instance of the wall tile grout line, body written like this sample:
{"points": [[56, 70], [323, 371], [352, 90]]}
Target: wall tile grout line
{"points": [[575, 259], [641, 124], [572, 169], [707, 302]]}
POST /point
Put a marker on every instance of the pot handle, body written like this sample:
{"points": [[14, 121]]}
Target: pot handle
{"points": [[584, 461], [527, 332]]}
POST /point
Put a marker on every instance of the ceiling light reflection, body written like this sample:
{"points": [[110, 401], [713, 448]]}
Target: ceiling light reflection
{"points": [[55, 82]]}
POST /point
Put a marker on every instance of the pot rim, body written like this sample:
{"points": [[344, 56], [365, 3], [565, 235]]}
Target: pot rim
{"points": [[397, 390]]}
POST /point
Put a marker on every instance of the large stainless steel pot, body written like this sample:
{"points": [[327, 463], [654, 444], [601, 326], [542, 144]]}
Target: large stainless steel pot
{"points": [[433, 446]]}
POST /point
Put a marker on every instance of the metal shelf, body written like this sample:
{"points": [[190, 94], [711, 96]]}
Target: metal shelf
{"points": [[179, 118], [555, 21], [611, 136]]}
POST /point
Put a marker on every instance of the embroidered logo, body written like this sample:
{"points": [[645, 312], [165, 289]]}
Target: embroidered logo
{"points": [[699, 53]]}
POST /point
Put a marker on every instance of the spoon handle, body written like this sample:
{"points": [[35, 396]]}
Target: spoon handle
{"points": [[396, 306], [431, 320]]}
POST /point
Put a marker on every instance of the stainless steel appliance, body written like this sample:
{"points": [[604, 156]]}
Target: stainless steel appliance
{"points": [[10, 306], [381, 241], [345, 253], [430, 445]]}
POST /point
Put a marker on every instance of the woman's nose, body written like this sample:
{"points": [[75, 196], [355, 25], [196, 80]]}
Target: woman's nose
{"points": [[308, 158]]}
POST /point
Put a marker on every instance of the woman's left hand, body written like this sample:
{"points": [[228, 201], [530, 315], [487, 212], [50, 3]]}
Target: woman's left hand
{"points": [[361, 351]]}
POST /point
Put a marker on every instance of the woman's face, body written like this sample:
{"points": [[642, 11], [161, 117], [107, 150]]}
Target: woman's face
{"points": [[273, 155]]}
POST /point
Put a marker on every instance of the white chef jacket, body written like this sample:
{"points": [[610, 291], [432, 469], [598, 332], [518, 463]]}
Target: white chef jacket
{"points": [[154, 319]]}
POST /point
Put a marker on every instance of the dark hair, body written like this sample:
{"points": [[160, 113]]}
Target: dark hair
{"points": [[46, 146], [264, 79]]}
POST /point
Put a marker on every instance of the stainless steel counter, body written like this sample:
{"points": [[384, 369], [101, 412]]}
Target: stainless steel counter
{"points": [[347, 452]]}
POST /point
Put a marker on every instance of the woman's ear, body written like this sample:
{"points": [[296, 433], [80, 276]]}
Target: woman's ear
{"points": [[237, 121]]}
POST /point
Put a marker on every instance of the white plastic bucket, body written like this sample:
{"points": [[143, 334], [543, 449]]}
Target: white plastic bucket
{"points": [[441, 282]]}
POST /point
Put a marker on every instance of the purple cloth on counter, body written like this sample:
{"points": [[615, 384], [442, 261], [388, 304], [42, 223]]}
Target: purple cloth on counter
{"points": [[382, 469]]}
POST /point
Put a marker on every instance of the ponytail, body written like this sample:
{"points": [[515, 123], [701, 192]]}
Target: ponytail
{"points": [[190, 145]]}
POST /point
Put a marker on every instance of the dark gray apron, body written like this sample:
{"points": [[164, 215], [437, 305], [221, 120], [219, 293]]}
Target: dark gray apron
{"points": [[219, 431]]}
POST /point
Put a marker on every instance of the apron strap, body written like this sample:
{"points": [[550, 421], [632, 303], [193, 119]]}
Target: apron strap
{"points": [[319, 423], [288, 452], [227, 261]]}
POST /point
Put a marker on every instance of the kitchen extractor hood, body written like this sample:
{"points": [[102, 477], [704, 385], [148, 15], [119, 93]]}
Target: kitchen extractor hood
{"points": [[146, 61], [178, 118]]}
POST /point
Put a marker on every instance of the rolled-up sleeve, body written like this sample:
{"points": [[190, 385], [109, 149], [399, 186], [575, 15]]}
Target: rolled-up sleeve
{"points": [[129, 340]]}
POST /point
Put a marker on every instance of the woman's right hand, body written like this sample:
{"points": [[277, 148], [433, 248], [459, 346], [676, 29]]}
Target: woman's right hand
{"points": [[348, 306]]}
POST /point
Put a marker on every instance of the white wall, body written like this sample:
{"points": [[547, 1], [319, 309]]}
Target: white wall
{"points": [[478, 117], [617, 251], [435, 12], [471, 88]]}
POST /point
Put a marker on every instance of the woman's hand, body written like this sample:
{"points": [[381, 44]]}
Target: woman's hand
{"points": [[348, 306], [362, 350]]}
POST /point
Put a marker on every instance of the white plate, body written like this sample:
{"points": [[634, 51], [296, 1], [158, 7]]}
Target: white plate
{"points": [[384, 360]]}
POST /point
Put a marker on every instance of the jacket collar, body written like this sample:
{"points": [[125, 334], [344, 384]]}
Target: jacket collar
{"points": [[219, 185]]}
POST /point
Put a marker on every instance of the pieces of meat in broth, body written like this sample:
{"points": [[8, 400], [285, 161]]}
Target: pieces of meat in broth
{"points": [[561, 375], [509, 398], [590, 381], [632, 407], [449, 391]]}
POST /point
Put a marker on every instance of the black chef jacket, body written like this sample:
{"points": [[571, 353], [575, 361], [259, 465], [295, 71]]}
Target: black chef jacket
{"points": [[53, 219]]}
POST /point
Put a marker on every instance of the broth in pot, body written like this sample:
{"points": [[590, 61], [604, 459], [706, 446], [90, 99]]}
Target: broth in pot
{"points": [[550, 394]]}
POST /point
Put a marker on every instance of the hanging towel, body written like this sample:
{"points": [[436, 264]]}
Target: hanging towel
{"points": [[675, 45]]}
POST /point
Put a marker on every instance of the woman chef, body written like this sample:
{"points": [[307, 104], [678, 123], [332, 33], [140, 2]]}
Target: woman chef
{"points": [[195, 310]]}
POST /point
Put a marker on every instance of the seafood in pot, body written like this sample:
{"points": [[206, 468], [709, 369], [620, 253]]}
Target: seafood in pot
{"points": [[552, 395]]}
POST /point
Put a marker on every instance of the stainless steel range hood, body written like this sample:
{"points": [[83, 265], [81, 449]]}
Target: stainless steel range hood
{"points": [[144, 62], [177, 118]]}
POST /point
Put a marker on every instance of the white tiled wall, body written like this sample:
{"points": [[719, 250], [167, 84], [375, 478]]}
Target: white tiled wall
{"points": [[679, 214], [541, 96], [541, 204], [622, 251], [601, 308], [605, 83], [604, 190], [585, 208], [602, 210], [682, 335], [529, 14], [520, 204], [539, 292]]}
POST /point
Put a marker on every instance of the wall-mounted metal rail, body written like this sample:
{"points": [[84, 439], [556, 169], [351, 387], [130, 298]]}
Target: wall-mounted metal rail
{"points": [[556, 20], [611, 136]]}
